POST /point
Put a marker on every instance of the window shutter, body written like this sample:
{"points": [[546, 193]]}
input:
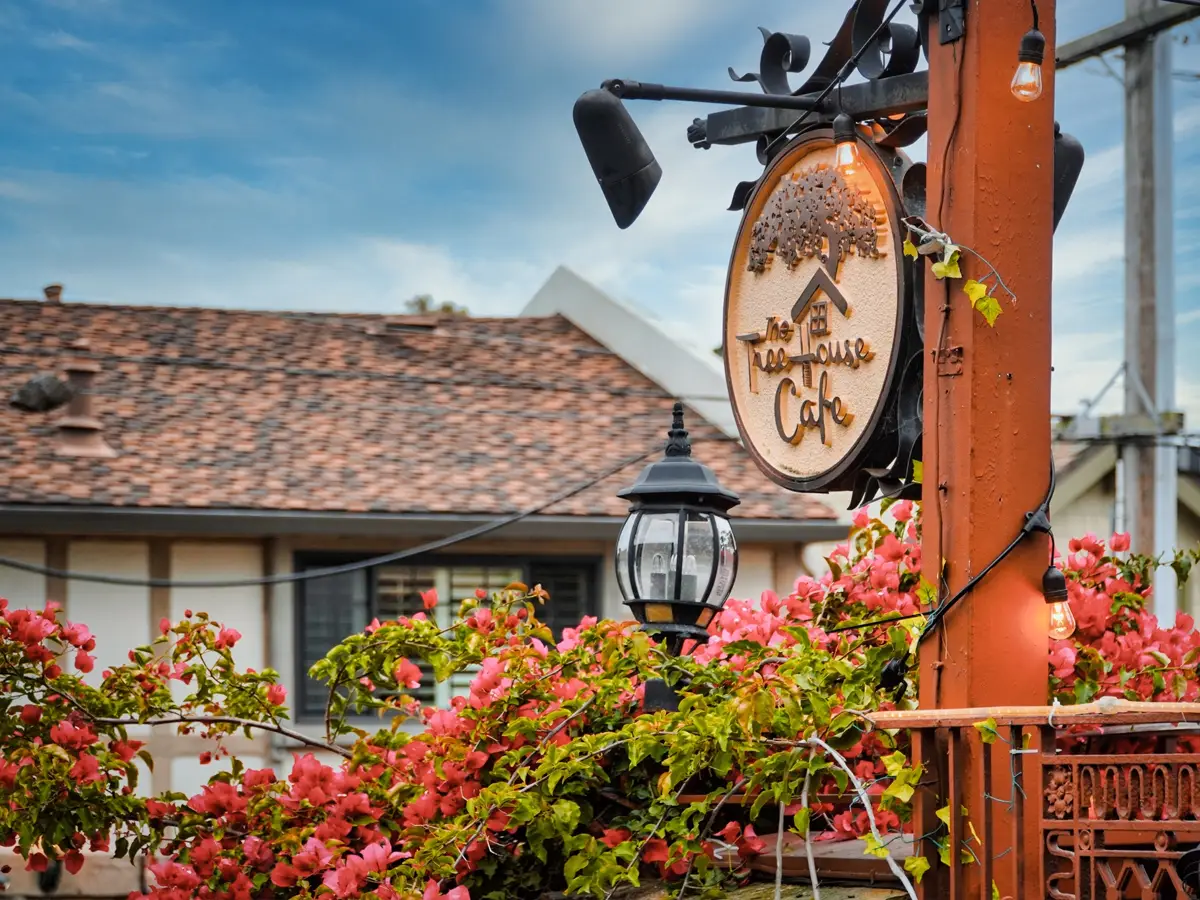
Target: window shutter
{"points": [[572, 590], [330, 609]]}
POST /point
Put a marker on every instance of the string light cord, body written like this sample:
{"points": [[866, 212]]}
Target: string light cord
{"points": [[841, 76], [328, 571], [1037, 521]]}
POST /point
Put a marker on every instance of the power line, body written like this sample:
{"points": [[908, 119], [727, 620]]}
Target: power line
{"points": [[328, 571]]}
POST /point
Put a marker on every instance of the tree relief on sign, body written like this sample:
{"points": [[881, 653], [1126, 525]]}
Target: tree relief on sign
{"points": [[811, 312]]}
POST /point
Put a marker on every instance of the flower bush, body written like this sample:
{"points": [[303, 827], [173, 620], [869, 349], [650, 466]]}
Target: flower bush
{"points": [[550, 773]]}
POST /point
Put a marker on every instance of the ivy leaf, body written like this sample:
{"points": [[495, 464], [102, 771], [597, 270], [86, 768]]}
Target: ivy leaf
{"points": [[910, 249], [918, 475], [895, 763], [916, 866], [948, 266], [943, 815], [987, 731], [989, 308], [874, 847], [974, 291]]}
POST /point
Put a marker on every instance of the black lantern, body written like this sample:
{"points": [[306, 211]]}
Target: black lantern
{"points": [[676, 556]]}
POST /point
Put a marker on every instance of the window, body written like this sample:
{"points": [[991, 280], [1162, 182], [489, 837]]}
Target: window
{"points": [[330, 609]]}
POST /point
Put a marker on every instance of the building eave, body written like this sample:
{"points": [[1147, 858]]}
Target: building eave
{"points": [[107, 520]]}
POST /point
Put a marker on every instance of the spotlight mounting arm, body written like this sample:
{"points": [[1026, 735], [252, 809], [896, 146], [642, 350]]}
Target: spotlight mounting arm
{"points": [[639, 90]]}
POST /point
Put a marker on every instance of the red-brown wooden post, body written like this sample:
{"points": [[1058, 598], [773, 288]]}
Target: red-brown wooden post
{"points": [[987, 421]]}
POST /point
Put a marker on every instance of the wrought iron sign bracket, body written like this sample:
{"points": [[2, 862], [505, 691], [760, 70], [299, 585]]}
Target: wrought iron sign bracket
{"points": [[952, 20]]}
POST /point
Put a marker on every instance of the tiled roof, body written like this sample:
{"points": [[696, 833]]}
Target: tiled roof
{"points": [[215, 408]]}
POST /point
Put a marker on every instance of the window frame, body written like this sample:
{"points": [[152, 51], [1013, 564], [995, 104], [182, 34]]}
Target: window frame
{"points": [[591, 565]]}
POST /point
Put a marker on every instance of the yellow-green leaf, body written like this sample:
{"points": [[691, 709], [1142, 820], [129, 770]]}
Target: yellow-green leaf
{"points": [[874, 848], [988, 732], [944, 814], [910, 249], [895, 763], [974, 291], [948, 266], [916, 866], [918, 472], [989, 308]]}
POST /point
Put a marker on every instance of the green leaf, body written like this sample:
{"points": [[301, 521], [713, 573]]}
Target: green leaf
{"points": [[916, 866], [802, 819], [1085, 690], [974, 291], [895, 763], [987, 731], [944, 815], [910, 249], [989, 308], [918, 472]]}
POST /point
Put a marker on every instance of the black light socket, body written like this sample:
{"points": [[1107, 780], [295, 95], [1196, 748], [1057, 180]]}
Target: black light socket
{"points": [[1033, 47], [843, 129], [1054, 585]]}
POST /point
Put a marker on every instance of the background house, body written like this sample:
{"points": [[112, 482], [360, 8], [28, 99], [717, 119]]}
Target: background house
{"points": [[226, 444]]}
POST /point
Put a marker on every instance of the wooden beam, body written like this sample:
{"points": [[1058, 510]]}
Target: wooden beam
{"points": [[1131, 30]]}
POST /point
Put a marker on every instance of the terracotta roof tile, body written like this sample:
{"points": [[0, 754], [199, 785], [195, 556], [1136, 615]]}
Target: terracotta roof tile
{"points": [[213, 408]]}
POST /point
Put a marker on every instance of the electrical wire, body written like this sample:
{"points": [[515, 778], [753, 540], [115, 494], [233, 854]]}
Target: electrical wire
{"points": [[1036, 521], [841, 76], [310, 574]]}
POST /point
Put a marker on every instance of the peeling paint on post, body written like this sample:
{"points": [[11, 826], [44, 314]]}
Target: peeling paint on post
{"points": [[987, 438]]}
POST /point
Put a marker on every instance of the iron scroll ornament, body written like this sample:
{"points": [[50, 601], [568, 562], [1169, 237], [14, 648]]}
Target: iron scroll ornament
{"points": [[789, 224]]}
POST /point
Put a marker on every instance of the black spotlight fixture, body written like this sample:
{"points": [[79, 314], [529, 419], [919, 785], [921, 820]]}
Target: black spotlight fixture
{"points": [[676, 557], [619, 156]]}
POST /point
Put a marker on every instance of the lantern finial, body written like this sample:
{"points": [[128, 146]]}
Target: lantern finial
{"points": [[678, 443]]}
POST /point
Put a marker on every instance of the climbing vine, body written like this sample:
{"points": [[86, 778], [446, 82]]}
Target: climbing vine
{"points": [[932, 243]]}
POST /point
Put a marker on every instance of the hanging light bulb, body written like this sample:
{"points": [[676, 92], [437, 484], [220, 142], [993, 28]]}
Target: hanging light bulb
{"points": [[845, 139], [1054, 590], [1027, 82]]}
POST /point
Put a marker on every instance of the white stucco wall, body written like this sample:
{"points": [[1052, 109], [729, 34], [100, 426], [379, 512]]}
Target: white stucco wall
{"points": [[1092, 511], [237, 607], [755, 572], [118, 616], [23, 589]]}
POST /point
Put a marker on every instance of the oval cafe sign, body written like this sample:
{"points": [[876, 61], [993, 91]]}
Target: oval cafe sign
{"points": [[813, 306]]}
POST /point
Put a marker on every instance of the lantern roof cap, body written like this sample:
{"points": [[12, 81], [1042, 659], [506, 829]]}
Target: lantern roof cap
{"points": [[678, 476]]}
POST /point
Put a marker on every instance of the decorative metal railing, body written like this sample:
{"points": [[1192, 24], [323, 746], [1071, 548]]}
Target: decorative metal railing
{"points": [[1095, 802]]}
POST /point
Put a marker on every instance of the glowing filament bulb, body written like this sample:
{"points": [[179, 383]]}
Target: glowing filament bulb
{"points": [[1027, 83], [1062, 621], [845, 153]]}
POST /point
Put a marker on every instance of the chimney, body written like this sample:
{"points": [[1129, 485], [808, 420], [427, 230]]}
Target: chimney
{"points": [[53, 293], [79, 431]]}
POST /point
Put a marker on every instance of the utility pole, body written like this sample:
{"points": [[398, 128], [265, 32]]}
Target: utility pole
{"points": [[1149, 467], [987, 420]]}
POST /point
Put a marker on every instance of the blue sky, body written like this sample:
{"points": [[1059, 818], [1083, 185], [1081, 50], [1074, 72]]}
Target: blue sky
{"points": [[306, 154]]}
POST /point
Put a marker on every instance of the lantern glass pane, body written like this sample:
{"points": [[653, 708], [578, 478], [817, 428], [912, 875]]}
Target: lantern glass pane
{"points": [[654, 543], [699, 553], [624, 547], [726, 563]]}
